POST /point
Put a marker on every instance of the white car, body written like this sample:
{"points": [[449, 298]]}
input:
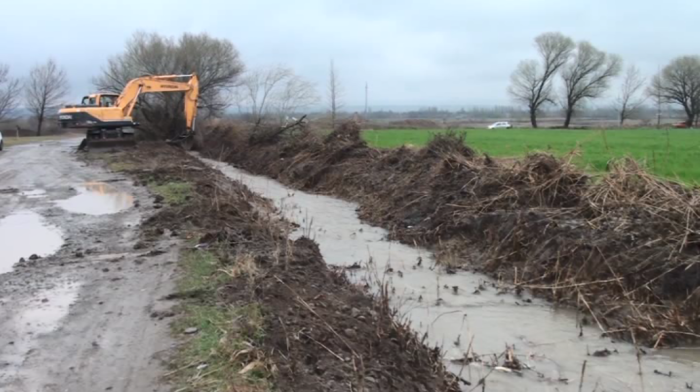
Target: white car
{"points": [[500, 125], [1, 144]]}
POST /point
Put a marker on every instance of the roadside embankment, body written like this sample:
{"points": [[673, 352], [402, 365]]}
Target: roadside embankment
{"points": [[259, 311]]}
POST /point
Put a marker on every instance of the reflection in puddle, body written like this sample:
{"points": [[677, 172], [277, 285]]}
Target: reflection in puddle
{"points": [[23, 234], [546, 339], [39, 315], [97, 198]]}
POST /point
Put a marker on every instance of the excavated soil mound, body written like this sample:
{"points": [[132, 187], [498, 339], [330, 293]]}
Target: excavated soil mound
{"points": [[624, 247]]}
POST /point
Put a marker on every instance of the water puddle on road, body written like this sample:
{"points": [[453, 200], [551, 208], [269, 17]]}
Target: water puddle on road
{"points": [[545, 339], [97, 198], [34, 194], [23, 234], [41, 314]]}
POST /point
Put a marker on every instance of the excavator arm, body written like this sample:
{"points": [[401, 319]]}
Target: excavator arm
{"points": [[161, 84]]}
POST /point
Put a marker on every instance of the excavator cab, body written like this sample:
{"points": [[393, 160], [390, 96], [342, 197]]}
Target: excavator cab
{"points": [[100, 100]]}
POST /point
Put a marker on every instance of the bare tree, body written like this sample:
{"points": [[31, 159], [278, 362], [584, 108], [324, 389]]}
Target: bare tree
{"points": [[295, 94], [679, 83], [335, 93], [531, 82], [9, 92], [274, 92], [216, 62], [587, 76], [629, 101], [46, 87]]}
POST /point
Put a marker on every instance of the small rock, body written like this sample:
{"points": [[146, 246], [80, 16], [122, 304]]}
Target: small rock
{"points": [[139, 245], [108, 389], [191, 331], [105, 269], [79, 255], [34, 257], [45, 300], [157, 206], [158, 198], [355, 312], [602, 353], [351, 333], [22, 260]]}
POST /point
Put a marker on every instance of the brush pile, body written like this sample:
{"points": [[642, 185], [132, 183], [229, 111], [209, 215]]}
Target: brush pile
{"points": [[624, 247]]}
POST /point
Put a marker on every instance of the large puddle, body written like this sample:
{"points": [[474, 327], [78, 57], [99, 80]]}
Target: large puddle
{"points": [[97, 198], [24, 234], [545, 339], [39, 315]]}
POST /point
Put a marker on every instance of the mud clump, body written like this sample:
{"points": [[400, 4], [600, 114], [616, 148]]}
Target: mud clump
{"points": [[321, 333], [622, 247]]}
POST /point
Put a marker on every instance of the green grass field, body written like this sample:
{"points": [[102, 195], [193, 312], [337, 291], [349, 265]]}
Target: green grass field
{"points": [[673, 153]]}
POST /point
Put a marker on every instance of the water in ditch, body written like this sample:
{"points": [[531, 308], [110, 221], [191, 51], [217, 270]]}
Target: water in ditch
{"points": [[463, 309]]}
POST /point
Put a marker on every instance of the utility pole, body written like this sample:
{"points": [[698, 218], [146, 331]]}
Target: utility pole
{"points": [[366, 98]]}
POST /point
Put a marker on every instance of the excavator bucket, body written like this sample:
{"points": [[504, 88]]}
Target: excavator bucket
{"points": [[107, 140]]}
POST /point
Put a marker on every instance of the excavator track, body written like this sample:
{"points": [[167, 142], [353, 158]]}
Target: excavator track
{"points": [[108, 139]]}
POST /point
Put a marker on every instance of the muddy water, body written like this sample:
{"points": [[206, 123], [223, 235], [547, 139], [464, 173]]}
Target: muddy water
{"points": [[97, 198], [41, 314], [23, 234], [545, 339]]}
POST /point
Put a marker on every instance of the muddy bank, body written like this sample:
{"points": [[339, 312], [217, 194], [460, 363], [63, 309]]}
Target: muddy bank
{"points": [[290, 322], [622, 249]]}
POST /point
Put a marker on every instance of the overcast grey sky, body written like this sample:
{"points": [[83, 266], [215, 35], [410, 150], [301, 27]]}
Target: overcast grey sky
{"points": [[440, 52]]}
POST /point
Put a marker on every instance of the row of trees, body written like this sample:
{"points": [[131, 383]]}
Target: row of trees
{"points": [[43, 90], [586, 73], [269, 93]]}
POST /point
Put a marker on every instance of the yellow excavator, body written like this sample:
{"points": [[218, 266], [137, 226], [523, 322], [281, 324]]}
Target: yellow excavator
{"points": [[108, 117]]}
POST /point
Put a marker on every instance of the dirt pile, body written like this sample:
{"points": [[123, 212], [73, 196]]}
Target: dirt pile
{"points": [[319, 333], [623, 248]]}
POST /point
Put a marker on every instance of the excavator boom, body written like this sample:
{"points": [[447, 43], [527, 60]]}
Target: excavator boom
{"points": [[109, 119]]}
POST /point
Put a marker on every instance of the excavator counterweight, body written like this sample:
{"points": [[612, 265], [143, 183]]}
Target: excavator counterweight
{"points": [[107, 117]]}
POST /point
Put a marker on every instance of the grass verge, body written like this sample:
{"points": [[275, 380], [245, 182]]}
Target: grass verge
{"points": [[223, 332], [173, 192], [10, 141]]}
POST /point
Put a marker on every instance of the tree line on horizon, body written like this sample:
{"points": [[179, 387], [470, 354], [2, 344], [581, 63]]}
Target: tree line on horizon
{"points": [[565, 75], [568, 74]]}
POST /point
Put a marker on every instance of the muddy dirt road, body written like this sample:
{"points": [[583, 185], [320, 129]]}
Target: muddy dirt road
{"points": [[75, 312]]}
